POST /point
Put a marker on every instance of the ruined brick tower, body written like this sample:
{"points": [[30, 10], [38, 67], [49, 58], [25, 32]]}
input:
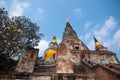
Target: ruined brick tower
{"points": [[27, 61], [74, 57], [69, 60], [69, 51]]}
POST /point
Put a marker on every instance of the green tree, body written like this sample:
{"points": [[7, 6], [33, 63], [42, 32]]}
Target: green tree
{"points": [[17, 34]]}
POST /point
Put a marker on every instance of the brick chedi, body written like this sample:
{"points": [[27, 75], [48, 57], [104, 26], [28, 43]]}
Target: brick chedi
{"points": [[69, 60], [69, 51]]}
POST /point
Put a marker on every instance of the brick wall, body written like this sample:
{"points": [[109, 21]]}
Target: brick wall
{"points": [[27, 61]]}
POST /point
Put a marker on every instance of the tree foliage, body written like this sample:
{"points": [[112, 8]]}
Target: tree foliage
{"points": [[16, 34]]}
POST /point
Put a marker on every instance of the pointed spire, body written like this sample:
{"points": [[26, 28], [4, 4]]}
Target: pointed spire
{"points": [[53, 44], [68, 26], [69, 30], [67, 20], [98, 45], [54, 40], [95, 39]]}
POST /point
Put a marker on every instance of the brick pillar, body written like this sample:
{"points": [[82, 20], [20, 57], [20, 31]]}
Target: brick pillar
{"points": [[27, 61]]}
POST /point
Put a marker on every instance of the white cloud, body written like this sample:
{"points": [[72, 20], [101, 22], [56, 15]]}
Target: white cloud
{"points": [[105, 30], [108, 43], [18, 8], [41, 13], [88, 24], [2, 3], [87, 36], [43, 45], [110, 22], [113, 43], [91, 45], [116, 38], [102, 34], [78, 12], [59, 41]]}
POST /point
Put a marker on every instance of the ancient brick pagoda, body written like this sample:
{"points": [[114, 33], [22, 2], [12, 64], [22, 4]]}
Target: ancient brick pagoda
{"points": [[73, 60]]}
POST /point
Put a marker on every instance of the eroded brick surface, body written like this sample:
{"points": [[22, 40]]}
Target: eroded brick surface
{"points": [[40, 78], [27, 61], [73, 61]]}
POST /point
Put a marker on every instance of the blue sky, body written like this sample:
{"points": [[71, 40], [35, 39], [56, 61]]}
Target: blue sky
{"points": [[100, 18]]}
